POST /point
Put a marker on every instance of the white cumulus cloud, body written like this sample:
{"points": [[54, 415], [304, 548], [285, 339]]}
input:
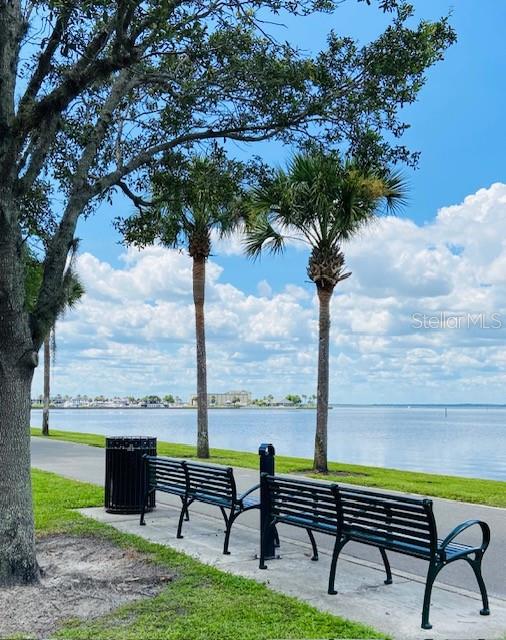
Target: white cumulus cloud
{"points": [[134, 330]]}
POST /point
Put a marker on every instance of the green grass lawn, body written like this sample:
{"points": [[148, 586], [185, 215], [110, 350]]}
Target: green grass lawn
{"points": [[489, 492], [201, 603]]}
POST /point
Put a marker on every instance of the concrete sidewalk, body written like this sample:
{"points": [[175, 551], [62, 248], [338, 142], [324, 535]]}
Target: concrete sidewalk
{"points": [[86, 463], [394, 609]]}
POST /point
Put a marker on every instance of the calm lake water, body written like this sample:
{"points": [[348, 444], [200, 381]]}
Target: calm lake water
{"points": [[468, 442]]}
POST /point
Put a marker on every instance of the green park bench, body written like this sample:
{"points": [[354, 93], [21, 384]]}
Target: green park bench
{"points": [[196, 482], [389, 522]]}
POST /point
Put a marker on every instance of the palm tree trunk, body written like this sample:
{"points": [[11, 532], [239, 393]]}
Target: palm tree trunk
{"points": [[47, 390], [199, 283], [322, 400]]}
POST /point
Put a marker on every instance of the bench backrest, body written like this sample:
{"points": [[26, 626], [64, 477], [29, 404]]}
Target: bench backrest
{"points": [[396, 522], [303, 502], [213, 480], [166, 473]]}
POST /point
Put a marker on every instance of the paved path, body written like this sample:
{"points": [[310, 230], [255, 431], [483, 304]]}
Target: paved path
{"points": [[86, 463], [394, 609]]}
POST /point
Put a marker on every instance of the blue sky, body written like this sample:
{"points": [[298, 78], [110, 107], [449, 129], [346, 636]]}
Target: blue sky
{"points": [[458, 124]]}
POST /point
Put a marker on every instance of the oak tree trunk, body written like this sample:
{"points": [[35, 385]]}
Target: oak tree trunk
{"points": [[47, 387], [322, 398], [199, 282], [18, 359]]}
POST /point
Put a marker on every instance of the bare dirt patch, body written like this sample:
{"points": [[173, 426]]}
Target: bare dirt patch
{"points": [[82, 578]]}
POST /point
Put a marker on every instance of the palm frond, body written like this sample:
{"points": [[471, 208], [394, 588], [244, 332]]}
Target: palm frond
{"points": [[322, 198], [262, 235], [396, 192], [72, 291]]}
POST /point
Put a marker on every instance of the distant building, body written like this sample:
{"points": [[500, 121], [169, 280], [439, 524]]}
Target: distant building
{"points": [[281, 402], [59, 401], [230, 398]]}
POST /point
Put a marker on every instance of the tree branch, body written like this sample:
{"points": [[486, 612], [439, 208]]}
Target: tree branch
{"points": [[124, 83], [44, 62], [37, 151], [138, 201], [50, 292], [83, 73], [242, 134]]}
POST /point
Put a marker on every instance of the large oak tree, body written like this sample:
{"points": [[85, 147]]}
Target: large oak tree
{"points": [[92, 92]]}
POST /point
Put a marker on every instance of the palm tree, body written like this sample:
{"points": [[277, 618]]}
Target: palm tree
{"points": [[324, 202], [192, 199], [73, 292]]}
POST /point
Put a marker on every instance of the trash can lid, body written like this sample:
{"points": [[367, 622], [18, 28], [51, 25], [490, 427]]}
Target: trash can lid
{"points": [[130, 442]]}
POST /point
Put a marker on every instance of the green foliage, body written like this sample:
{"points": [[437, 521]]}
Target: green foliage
{"points": [[191, 198], [37, 218], [473, 490], [152, 399], [294, 399], [322, 201], [169, 399], [199, 603], [33, 278], [103, 94]]}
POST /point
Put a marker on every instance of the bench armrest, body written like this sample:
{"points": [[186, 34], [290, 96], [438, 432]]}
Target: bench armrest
{"points": [[250, 490], [462, 527]]}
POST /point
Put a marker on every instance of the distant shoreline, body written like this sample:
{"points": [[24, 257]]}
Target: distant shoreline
{"points": [[468, 405], [39, 408]]}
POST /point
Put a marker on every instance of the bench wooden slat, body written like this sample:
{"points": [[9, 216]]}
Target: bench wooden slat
{"points": [[387, 527], [305, 501], [208, 482], [323, 493], [377, 496], [209, 477], [351, 514], [208, 470], [420, 522], [307, 523], [390, 533], [357, 499]]}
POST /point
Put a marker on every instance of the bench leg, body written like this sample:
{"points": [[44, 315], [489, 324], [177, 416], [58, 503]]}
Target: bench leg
{"points": [[225, 517], [276, 538], [187, 513], [476, 566], [184, 510], [431, 576], [313, 544], [339, 544], [387, 566], [228, 522], [142, 522]]}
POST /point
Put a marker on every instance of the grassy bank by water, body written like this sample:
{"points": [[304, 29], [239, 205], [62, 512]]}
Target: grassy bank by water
{"points": [[489, 492], [201, 602]]}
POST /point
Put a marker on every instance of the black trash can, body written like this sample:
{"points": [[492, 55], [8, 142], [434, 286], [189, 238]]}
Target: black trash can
{"points": [[125, 475]]}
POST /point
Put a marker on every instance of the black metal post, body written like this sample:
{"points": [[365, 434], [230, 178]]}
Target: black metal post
{"points": [[267, 534]]}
